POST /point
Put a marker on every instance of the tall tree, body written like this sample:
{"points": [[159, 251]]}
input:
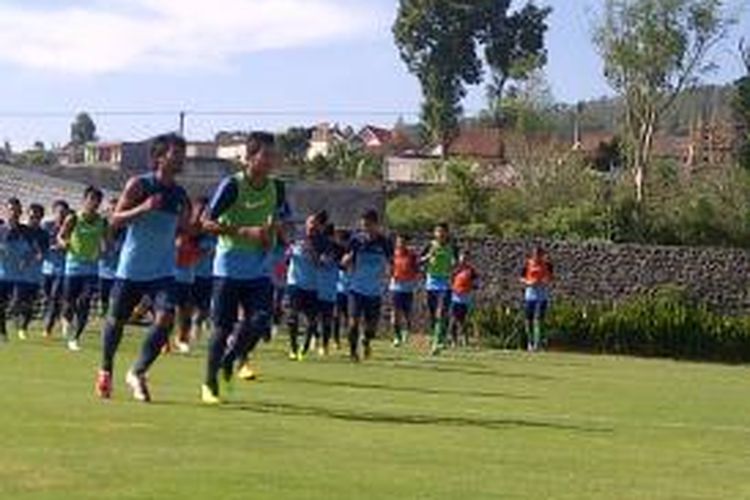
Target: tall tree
{"points": [[653, 50], [514, 46], [437, 41], [741, 107], [83, 129]]}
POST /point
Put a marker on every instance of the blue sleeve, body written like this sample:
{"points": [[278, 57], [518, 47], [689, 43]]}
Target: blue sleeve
{"points": [[226, 194]]}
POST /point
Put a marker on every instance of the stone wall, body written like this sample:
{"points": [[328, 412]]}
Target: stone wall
{"points": [[598, 272]]}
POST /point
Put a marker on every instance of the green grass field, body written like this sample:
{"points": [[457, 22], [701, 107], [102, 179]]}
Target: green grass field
{"points": [[468, 425]]}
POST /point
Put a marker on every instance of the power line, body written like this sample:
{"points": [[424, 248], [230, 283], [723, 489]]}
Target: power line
{"points": [[205, 113]]}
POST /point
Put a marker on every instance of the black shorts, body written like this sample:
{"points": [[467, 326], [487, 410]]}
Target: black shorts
{"points": [[403, 302], [127, 294], [363, 306], [303, 301]]}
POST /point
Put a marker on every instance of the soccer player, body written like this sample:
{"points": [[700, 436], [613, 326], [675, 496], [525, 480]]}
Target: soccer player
{"points": [[341, 318], [30, 281], [537, 276], [329, 264], [83, 236], [109, 259], [302, 287], [203, 285], [368, 257], [404, 277], [279, 264], [188, 256], [438, 259], [16, 253], [53, 267], [463, 284], [244, 213], [151, 209]]}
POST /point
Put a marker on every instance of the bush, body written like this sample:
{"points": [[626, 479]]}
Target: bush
{"points": [[662, 323]]}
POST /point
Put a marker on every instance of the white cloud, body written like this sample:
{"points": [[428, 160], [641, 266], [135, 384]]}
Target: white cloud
{"points": [[131, 34]]}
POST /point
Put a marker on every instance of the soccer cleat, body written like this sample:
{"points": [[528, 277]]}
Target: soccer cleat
{"points": [[47, 335], [182, 347], [396, 342], [139, 386], [292, 356], [246, 372], [104, 384], [74, 346], [22, 335], [321, 351], [208, 397]]}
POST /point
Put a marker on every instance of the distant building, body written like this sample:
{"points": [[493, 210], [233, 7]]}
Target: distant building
{"points": [[375, 139], [201, 149], [122, 155], [324, 137]]}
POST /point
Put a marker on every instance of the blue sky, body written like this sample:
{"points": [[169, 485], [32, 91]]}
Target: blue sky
{"points": [[293, 61]]}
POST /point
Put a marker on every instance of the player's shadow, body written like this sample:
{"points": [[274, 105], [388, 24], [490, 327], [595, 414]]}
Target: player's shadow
{"points": [[298, 410], [471, 371], [404, 389]]}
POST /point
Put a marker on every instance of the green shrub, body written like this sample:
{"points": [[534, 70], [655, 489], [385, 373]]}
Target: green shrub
{"points": [[662, 323]]}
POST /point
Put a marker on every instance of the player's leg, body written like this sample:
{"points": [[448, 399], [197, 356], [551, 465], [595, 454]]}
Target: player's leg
{"points": [[72, 288], [310, 311], [432, 309], [355, 313], [372, 309], [530, 311], [6, 289], [295, 308], [24, 307], [396, 317], [125, 296], [257, 303], [224, 309], [162, 293], [53, 305], [325, 310], [83, 306]]}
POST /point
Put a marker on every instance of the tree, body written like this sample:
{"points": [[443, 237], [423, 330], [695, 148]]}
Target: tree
{"points": [[82, 130], [652, 51], [514, 47], [293, 145], [741, 105], [436, 40]]}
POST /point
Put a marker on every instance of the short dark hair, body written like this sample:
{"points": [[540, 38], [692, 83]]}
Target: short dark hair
{"points": [[60, 204], [258, 140], [14, 202], [329, 230], [161, 144], [321, 217], [444, 226], [93, 192], [36, 208], [371, 215]]}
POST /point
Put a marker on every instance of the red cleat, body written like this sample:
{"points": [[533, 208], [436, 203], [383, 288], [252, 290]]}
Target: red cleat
{"points": [[104, 385]]}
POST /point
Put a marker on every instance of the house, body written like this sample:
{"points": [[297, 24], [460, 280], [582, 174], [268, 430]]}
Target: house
{"points": [[232, 146], [201, 149], [116, 154], [324, 137], [375, 139], [484, 147]]}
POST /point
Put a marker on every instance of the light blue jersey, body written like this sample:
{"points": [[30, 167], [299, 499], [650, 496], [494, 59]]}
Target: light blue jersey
{"points": [[303, 266], [54, 257], [111, 256], [328, 276], [149, 250], [205, 266], [371, 258], [16, 253]]}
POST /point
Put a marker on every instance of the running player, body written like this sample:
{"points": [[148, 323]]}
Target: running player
{"points": [[83, 236], [53, 267], [302, 287], [537, 276], [16, 252], [151, 209], [329, 264], [109, 259], [188, 256], [341, 319], [30, 280], [202, 288], [244, 213], [438, 259], [463, 284], [404, 277], [368, 257]]}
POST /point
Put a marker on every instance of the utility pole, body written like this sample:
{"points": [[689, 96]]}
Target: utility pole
{"points": [[182, 123]]}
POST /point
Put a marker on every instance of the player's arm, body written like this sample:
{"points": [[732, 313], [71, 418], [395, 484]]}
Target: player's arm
{"points": [[132, 204], [186, 223], [63, 236]]}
